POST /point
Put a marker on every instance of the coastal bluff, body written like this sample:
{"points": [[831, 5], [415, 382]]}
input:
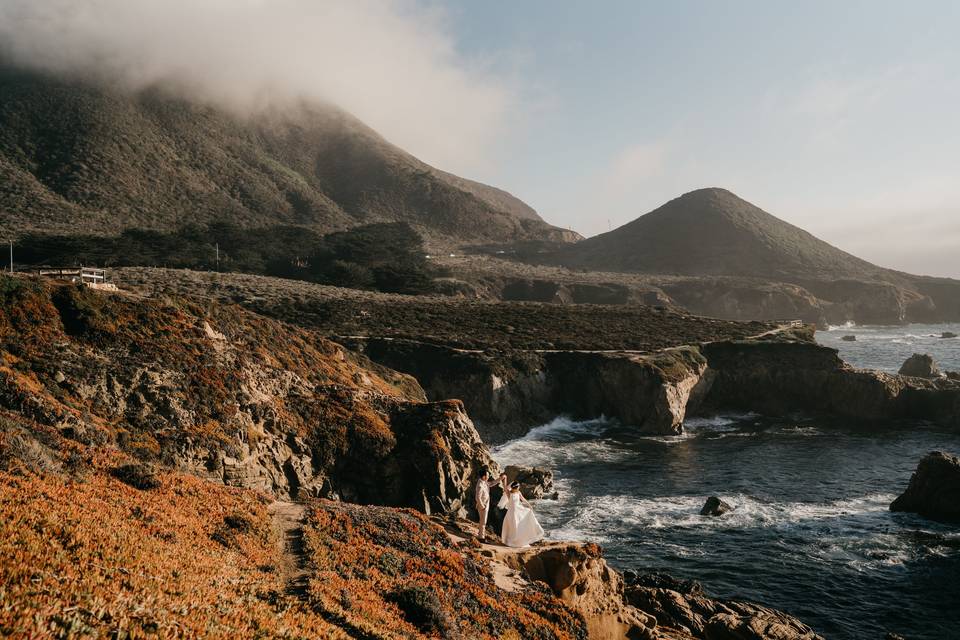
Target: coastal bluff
{"points": [[778, 373], [137, 432], [518, 365]]}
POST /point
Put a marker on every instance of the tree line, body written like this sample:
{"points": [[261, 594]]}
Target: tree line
{"points": [[385, 257]]}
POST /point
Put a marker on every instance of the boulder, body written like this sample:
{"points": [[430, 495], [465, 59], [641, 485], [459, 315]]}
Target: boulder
{"points": [[660, 580], [714, 506], [578, 575], [934, 489], [948, 334], [535, 483], [920, 365], [849, 338], [682, 605]]}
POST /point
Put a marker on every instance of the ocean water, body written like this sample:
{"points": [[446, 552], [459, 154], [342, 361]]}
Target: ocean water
{"points": [[886, 348], [811, 533]]}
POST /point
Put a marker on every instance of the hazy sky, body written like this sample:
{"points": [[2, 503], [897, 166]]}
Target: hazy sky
{"points": [[840, 117]]}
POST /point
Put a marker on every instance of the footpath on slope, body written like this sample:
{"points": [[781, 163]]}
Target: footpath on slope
{"points": [[288, 521]]}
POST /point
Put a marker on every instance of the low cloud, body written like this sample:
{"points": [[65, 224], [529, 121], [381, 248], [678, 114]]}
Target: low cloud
{"points": [[392, 63]]}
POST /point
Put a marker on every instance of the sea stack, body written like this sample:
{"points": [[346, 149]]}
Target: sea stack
{"points": [[934, 490], [714, 506]]}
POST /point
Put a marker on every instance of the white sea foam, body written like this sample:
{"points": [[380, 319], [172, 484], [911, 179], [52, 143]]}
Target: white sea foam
{"points": [[800, 430], [562, 441], [846, 325], [682, 437], [710, 426], [724, 422], [597, 513]]}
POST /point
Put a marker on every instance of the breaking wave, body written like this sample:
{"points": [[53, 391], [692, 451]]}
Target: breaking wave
{"points": [[684, 512]]}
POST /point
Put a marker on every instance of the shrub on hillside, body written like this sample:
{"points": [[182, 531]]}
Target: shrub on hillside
{"points": [[422, 608], [138, 476], [20, 451]]}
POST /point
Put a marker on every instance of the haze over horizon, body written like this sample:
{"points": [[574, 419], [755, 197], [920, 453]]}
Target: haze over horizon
{"points": [[837, 118]]}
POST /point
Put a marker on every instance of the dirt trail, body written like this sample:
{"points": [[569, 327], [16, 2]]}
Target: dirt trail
{"points": [[288, 521]]}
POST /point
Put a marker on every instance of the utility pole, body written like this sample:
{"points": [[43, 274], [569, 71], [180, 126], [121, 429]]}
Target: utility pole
{"points": [[11, 257], [218, 256]]}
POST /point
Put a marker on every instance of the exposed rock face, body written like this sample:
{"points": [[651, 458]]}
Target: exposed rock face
{"points": [[683, 606], [745, 300], [868, 302], [948, 334], [780, 373], [782, 377], [920, 365], [508, 393], [714, 506], [649, 392], [849, 338], [934, 489], [504, 394], [535, 483], [650, 606], [231, 396], [580, 577], [439, 446]]}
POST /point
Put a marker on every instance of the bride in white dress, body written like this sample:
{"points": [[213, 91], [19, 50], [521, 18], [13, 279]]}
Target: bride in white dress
{"points": [[520, 526]]}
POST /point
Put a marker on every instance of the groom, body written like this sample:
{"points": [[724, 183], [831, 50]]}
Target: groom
{"points": [[483, 500]]}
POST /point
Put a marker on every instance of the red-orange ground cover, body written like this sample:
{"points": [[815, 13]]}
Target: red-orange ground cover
{"points": [[97, 558], [391, 573]]}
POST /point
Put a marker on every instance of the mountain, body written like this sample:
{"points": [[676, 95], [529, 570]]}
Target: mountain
{"points": [[713, 240], [714, 232], [76, 157]]}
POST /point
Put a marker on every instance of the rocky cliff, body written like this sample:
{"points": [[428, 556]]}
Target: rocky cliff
{"points": [[776, 373], [507, 393], [230, 396], [784, 377]]}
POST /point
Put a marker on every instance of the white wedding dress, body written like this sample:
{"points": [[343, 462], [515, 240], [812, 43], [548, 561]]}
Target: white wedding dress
{"points": [[520, 526]]}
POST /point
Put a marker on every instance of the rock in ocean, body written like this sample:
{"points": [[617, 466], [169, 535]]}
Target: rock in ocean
{"points": [[716, 507], [934, 489]]}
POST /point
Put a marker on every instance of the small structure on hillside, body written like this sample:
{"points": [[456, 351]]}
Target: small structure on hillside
{"points": [[96, 278]]}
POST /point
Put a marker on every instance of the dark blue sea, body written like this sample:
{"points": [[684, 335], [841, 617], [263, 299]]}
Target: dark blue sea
{"points": [[811, 533]]}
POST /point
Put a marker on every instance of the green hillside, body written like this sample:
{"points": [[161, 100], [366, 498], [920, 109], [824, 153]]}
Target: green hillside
{"points": [[78, 158]]}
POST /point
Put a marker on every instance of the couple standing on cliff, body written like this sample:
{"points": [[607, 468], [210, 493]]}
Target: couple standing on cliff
{"points": [[520, 526]]}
